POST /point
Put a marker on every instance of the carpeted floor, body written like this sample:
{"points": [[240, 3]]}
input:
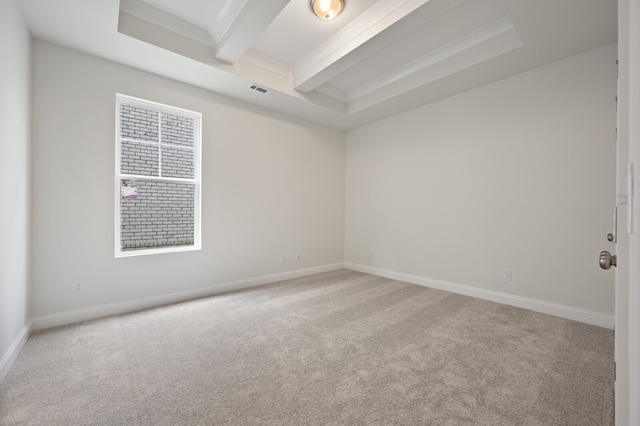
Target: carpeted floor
{"points": [[340, 348]]}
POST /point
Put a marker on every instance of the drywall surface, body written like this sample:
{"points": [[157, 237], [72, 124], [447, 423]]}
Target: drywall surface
{"points": [[15, 86], [270, 185], [519, 175]]}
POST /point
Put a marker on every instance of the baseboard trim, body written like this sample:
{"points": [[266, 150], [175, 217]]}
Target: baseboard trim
{"points": [[562, 311], [14, 350], [94, 312]]}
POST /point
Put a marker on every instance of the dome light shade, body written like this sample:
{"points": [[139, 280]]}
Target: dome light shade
{"points": [[327, 9]]}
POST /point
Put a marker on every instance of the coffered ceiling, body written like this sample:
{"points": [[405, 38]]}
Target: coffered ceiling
{"points": [[378, 58]]}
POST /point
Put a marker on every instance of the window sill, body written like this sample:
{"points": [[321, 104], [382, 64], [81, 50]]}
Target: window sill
{"points": [[178, 249]]}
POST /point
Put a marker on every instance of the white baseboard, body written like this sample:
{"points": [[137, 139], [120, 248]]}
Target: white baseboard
{"points": [[562, 311], [14, 350], [94, 312]]}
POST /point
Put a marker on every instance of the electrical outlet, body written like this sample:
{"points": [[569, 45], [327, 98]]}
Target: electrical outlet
{"points": [[298, 257], [283, 258], [78, 287], [506, 274]]}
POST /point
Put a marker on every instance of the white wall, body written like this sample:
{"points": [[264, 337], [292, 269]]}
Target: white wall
{"points": [[518, 174], [271, 184], [15, 48]]}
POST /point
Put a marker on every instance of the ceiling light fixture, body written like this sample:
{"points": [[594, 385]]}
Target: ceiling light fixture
{"points": [[327, 9]]}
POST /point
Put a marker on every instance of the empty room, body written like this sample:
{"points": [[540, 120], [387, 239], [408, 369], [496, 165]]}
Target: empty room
{"points": [[320, 212]]}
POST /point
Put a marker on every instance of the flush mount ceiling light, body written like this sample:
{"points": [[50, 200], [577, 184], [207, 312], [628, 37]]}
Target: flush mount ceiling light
{"points": [[327, 9]]}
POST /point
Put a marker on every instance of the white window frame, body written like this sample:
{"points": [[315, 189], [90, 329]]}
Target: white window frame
{"points": [[197, 180]]}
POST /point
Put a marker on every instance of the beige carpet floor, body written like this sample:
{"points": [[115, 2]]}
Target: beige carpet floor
{"points": [[340, 348]]}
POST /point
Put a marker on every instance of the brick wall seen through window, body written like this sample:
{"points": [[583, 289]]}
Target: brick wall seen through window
{"points": [[158, 178]]}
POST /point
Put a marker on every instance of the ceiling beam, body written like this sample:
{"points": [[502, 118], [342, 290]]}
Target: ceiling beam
{"points": [[240, 23], [351, 44], [160, 18], [481, 46], [474, 45]]}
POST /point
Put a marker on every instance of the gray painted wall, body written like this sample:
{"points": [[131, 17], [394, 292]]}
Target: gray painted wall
{"points": [[519, 175], [271, 184]]}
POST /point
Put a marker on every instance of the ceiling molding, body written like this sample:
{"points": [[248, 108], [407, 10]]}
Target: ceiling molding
{"points": [[332, 91], [268, 64]]}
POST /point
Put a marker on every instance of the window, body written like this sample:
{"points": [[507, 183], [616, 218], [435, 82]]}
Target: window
{"points": [[157, 177]]}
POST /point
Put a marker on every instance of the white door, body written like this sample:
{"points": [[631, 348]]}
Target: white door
{"points": [[627, 339]]}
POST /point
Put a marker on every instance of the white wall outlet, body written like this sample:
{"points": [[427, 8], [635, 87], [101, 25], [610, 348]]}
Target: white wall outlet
{"points": [[298, 257], [506, 274], [78, 287], [283, 258]]}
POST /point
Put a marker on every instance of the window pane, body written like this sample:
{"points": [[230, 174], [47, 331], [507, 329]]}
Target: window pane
{"points": [[177, 162], [158, 146], [160, 215], [177, 130], [139, 159], [138, 123]]}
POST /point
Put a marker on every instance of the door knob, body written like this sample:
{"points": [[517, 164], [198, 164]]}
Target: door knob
{"points": [[606, 260]]}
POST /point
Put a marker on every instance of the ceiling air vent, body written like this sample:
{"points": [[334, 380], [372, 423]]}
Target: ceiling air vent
{"points": [[259, 89]]}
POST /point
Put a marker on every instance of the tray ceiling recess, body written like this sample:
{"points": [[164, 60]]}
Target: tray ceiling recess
{"points": [[390, 48], [377, 58]]}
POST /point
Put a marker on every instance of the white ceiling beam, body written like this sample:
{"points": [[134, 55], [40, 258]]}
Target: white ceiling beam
{"points": [[350, 46], [240, 24], [501, 30], [163, 19], [486, 44]]}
